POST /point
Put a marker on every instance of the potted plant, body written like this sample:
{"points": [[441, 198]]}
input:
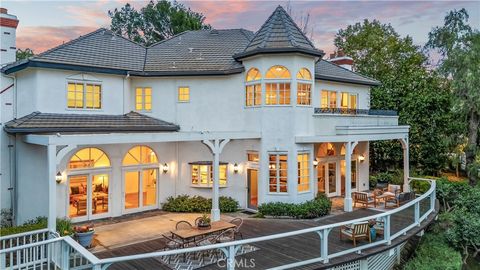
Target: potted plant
{"points": [[373, 231], [204, 222], [84, 235]]}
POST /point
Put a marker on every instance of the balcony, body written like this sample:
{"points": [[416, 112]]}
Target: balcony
{"points": [[328, 121]]}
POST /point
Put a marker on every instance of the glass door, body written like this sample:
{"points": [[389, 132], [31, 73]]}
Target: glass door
{"points": [[332, 179], [78, 197], [140, 189], [252, 182], [99, 194], [321, 176], [88, 196]]}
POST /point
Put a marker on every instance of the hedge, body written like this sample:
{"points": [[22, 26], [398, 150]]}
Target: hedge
{"points": [[199, 204], [434, 253], [30, 225], [320, 206]]}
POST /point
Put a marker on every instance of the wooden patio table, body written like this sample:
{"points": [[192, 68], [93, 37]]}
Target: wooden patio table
{"points": [[216, 226]]}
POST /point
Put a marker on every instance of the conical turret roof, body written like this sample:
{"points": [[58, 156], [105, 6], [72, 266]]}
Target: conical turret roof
{"points": [[279, 34]]}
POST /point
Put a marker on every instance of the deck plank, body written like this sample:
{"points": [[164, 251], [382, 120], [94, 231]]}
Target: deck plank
{"points": [[281, 251]]}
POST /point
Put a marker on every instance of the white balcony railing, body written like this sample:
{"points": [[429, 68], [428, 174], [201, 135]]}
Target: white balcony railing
{"points": [[65, 253]]}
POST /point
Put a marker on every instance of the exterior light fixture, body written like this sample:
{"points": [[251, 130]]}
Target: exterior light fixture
{"points": [[58, 177], [165, 167], [315, 163], [235, 168], [361, 158]]}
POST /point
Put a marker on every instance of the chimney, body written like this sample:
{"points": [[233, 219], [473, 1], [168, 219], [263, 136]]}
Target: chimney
{"points": [[8, 29], [340, 59]]}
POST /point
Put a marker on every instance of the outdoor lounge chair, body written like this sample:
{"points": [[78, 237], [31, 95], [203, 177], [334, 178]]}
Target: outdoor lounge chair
{"points": [[399, 199], [392, 190], [363, 199], [356, 231]]}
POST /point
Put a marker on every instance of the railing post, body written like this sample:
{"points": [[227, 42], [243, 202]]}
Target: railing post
{"points": [[386, 230], [65, 251], [231, 257], [432, 198], [324, 244], [417, 213], [3, 261]]}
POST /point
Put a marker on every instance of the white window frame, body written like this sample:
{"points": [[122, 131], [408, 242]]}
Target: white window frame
{"points": [[329, 101], [209, 183], [143, 102], [349, 100], [308, 170], [84, 92], [277, 172], [189, 94]]}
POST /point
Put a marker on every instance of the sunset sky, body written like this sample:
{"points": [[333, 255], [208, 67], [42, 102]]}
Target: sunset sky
{"points": [[45, 24]]}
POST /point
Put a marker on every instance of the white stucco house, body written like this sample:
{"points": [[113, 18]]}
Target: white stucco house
{"points": [[101, 126]]}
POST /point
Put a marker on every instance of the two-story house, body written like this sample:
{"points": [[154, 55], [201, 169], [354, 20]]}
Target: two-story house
{"points": [[101, 126]]}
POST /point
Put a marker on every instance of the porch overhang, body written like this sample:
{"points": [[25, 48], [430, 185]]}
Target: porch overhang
{"points": [[149, 137], [358, 133]]}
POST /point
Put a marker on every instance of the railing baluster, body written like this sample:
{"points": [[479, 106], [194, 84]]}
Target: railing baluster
{"points": [[231, 258], [386, 230], [417, 213], [3, 261]]}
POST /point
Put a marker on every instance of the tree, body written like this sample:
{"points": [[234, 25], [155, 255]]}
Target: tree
{"points": [[459, 46], [155, 22], [24, 54], [420, 96]]}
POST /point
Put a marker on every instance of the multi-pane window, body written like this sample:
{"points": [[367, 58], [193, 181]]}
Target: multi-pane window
{"points": [[252, 156], [349, 101], [143, 99], [277, 87], [304, 87], [202, 174], [303, 165], [329, 99], [277, 93], [253, 88], [84, 95], [277, 168], [183, 94]]}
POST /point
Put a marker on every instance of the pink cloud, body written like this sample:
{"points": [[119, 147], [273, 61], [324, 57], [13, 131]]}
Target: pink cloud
{"points": [[42, 38]]}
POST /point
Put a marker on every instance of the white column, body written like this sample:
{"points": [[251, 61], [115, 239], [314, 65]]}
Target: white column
{"points": [[406, 164], [216, 146], [347, 207], [52, 187]]}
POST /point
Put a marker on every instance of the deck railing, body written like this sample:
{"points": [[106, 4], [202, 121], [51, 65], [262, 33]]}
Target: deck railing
{"points": [[347, 111], [411, 215]]}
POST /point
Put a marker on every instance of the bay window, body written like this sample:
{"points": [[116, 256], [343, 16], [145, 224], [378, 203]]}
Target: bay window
{"points": [[253, 88], [277, 86], [278, 173]]}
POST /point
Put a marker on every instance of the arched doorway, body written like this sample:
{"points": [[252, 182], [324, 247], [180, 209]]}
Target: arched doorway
{"points": [[88, 173], [140, 176]]}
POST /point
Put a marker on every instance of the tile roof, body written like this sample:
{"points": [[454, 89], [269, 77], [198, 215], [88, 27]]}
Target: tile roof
{"points": [[200, 51], [279, 34], [325, 70], [38, 122]]}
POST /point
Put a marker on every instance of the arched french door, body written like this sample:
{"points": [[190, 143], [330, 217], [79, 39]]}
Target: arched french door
{"points": [[140, 179], [88, 183]]}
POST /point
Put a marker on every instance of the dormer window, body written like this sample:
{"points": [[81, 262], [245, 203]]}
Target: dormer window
{"points": [[277, 86], [304, 87], [253, 88]]}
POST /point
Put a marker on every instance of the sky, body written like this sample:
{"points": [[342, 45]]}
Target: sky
{"points": [[45, 24]]}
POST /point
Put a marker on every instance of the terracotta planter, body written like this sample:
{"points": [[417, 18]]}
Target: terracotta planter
{"points": [[85, 239]]}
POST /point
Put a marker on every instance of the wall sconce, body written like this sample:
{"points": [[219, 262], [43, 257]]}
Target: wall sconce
{"points": [[361, 158], [315, 163], [165, 167], [235, 168], [58, 177]]}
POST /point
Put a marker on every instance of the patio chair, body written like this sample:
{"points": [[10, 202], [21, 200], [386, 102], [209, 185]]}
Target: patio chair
{"points": [[171, 244], [183, 225], [363, 199], [399, 199], [356, 231], [226, 236], [81, 205], [238, 223], [379, 227], [392, 190]]}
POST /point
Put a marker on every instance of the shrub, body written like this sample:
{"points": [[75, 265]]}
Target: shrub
{"points": [[434, 253], [419, 186], [29, 225], [384, 177], [373, 181], [6, 218], [320, 206], [64, 226], [191, 204]]}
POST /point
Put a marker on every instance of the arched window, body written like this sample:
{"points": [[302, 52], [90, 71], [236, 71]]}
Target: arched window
{"points": [[140, 155], [326, 150], [277, 87], [253, 88], [89, 158], [304, 87]]}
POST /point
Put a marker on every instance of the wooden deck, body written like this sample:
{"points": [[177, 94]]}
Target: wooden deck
{"points": [[286, 250]]}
